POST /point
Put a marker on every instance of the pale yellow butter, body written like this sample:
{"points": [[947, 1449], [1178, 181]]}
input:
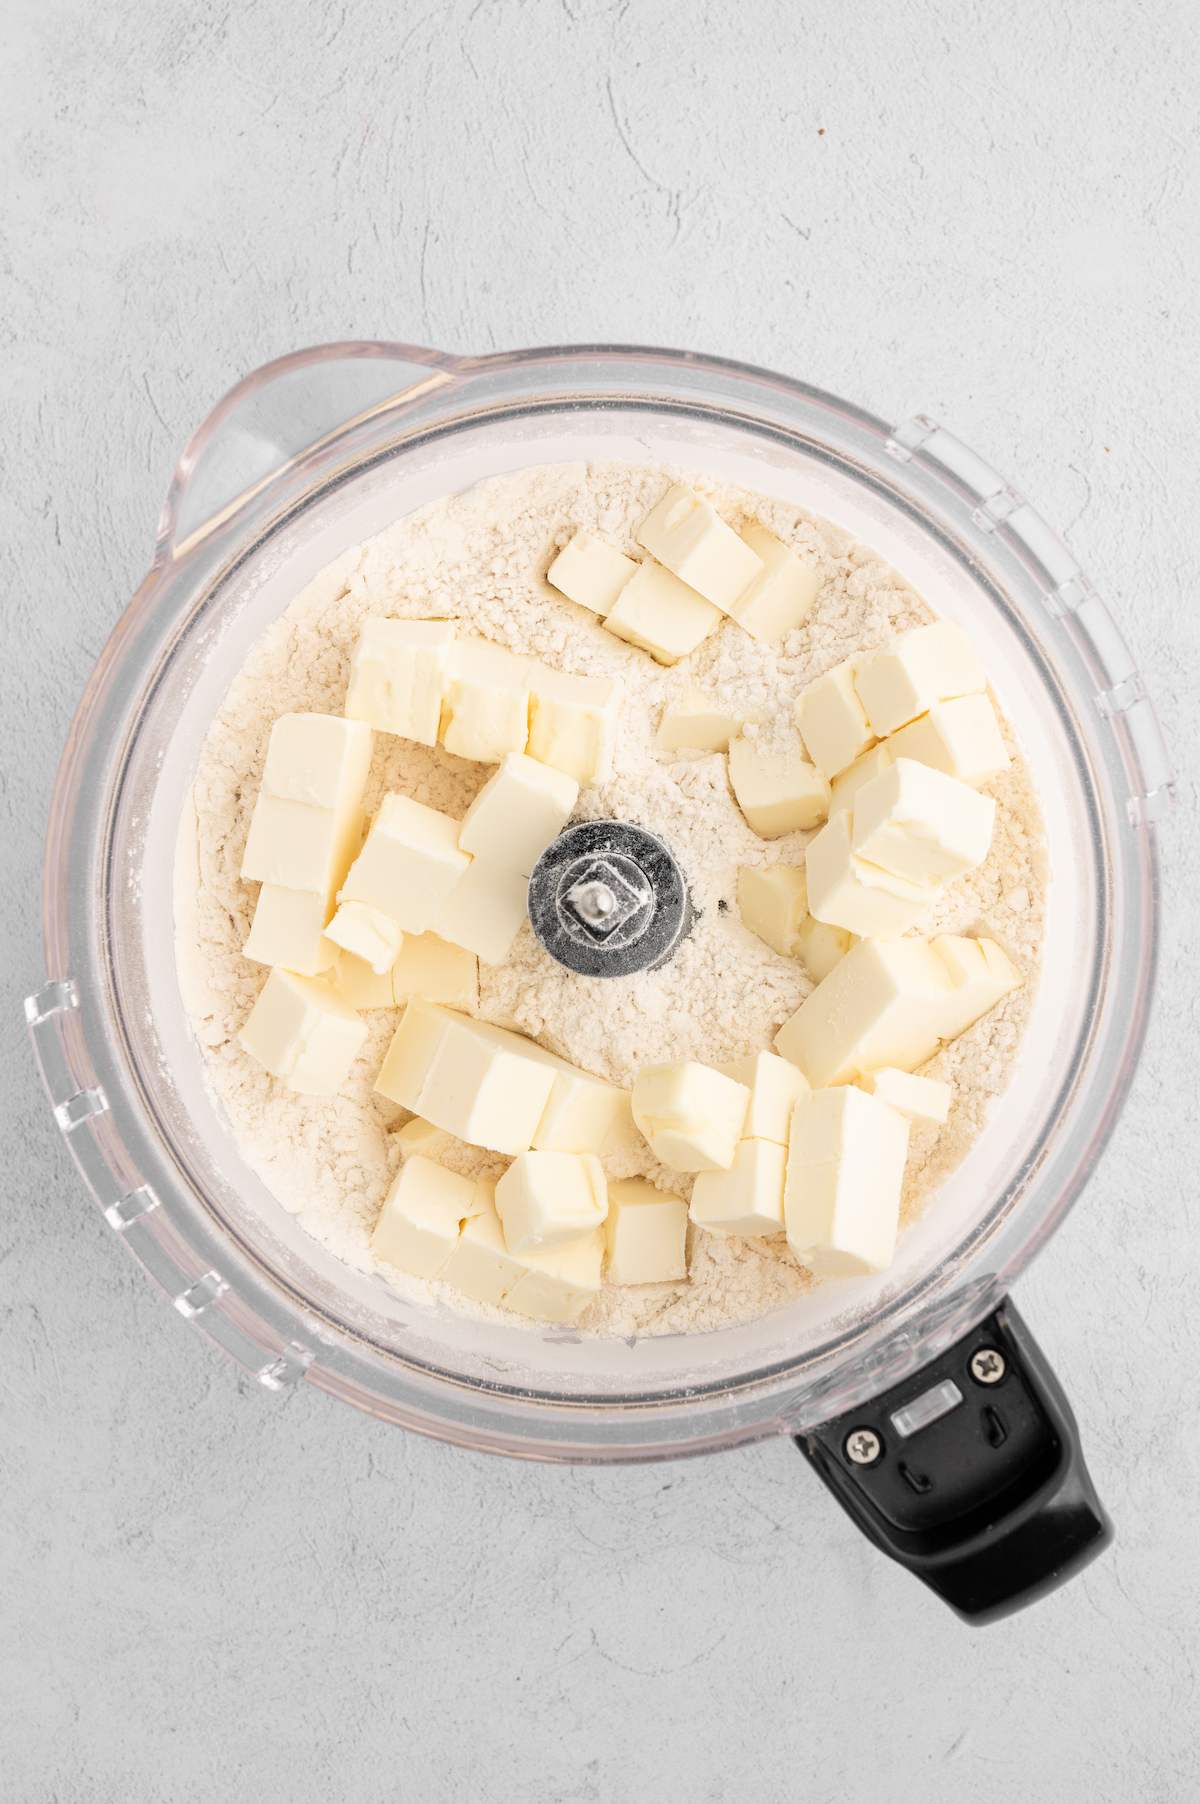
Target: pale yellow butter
{"points": [[557, 1283], [420, 1136], [545, 1199], [773, 904], [920, 824], [696, 722], [573, 723], [819, 946], [422, 1216], [832, 720], [481, 1265], [302, 1032], [844, 1173], [485, 911], [927, 665], [368, 934], [485, 711], [687, 535], [777, 792], [774, 1085], [746, 1199], [288, 929], [919, 1098], [517, 813], [960, 737], [848, 891], [645, 1234], [409, 864], [980, 975], [884, 1003], [781, 596], [584, 1113], [590, 571], [307, 820], [429, 967], [690, 1115], [661, 615], [476, 1081], [357, 984], [398, 676], [870, 764]]}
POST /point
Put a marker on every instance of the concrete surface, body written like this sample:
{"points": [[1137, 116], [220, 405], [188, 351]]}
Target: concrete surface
{"points": [[987, 211]]}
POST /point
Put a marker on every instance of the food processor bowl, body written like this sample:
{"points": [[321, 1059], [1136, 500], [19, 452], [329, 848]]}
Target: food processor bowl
{"points": [[317, 452]]}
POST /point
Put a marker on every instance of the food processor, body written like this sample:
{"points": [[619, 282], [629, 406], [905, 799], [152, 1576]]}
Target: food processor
{"points": [[918, 1395]]}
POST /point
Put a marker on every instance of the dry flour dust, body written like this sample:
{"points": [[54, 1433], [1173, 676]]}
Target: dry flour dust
{"points": [[480, 556]]}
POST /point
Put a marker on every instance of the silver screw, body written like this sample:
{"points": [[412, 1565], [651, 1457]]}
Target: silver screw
{"points": [[863, 1446], [988, 1366], [593, 902]]}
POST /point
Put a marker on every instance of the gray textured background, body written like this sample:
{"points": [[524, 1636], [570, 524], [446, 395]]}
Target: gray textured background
{"points": [[984, 210]]}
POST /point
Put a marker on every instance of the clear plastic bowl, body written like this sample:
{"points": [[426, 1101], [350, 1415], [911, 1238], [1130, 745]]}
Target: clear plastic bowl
{"points": [[317, 452]]}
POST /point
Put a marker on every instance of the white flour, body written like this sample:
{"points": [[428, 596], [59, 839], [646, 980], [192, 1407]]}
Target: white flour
{"points": [[480, 556]]}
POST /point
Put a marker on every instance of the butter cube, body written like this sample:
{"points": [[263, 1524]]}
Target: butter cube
{"points": [[303, 1033], [774, 1085], [368, 934], [690, 1116], [545, 1199], [486, 705], [873, 763], [697, 723], [927, 665], [479, 1082], [420, 1136], [960, 737], [591, 572], [687, 535], [661, 615], [517, 813], [318, 759], [832, 721], [773, 904], [485, 911], [980, 974], [819, 946], [296, 846], [557, 1283], [398, 676], [777, 792], [918, 1098], [584, 1114], [845, 1169], [481, 1266], [288, 929], [422, 1217], [848, 891], [883, 1004], [781, 596], [409, 864], [645, 1234], [573, 723], [920, 824], [746, 1199], [357, 984], [429, 967]]}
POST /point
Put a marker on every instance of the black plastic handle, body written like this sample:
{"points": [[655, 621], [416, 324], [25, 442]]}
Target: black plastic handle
{"points": [[970, 1473]]}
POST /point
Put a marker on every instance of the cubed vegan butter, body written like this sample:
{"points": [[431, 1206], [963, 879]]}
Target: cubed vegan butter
{"points": [[307, 820], [288, 929], [546, 1198], [690, 1115], [774, 1085], [476, 1081], [686, 534], [517, 813], [573, 723], [420, 1136], [302, 1032], [485, 710], [746, 1199], [357, 984], [661, 615], [557, 1283], [884, 1003], [870, 764], [819, 946], [926, 665], [960, 737], [409, 864], [367, 933], [398, 676], [980, 974], [848, 891], [584, 1114], [645, 1234], [919, 1098], [832, 721], [777, 792], [696, 722], [422, 1216], [920, 824], [481, 1265], [781, 596], [844, 1173], [591, 572], [485, 911], [773, 904], [430, 967]]}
